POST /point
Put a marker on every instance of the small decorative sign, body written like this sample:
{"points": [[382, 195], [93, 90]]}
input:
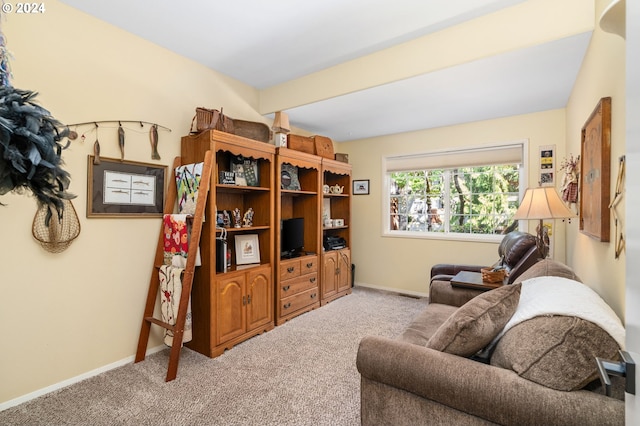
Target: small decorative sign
{"points": [[227, 178]]}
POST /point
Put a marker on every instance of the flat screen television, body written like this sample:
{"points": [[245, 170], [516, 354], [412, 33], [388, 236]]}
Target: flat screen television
{"points": [[292, 237]]}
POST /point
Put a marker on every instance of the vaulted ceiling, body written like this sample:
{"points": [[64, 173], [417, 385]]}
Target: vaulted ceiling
{"points": [[352, 69]]}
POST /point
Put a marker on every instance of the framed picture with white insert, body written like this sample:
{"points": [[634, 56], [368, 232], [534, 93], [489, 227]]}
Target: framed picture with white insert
{"points": [[361, 187], [247, 249]]}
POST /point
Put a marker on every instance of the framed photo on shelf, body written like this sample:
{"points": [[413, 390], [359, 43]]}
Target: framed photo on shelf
{"points": [[361, 187], [289, 177], [247, 249], [125, 188], [245, 171]]}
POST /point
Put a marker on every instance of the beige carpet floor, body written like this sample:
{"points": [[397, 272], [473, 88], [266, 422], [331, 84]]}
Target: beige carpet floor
{"points": [[301, 373]]}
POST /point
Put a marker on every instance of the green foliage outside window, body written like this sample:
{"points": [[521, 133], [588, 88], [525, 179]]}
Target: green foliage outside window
{"points": [[467, 200]]}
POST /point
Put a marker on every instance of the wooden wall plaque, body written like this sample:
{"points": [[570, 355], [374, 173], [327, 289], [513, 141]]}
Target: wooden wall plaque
{"points": [[595, 172]]}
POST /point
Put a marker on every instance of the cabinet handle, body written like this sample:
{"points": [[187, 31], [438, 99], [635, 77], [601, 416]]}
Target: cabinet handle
{"points": [[290, 269], [310, 264], [287, 305], [244, 300], [337, 271], [248, 299], [312, 279], [286, 288], [313, 296]]}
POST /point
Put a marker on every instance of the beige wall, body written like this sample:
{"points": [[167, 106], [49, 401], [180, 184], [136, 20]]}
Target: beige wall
{"points": [[69, 313], [404, 263], [602, 74]]}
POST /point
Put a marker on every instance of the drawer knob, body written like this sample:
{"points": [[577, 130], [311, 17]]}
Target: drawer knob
{"points": [[286, 288], [287, 305], [290, 269], [313, 296], [310, 264], [312, 279]]}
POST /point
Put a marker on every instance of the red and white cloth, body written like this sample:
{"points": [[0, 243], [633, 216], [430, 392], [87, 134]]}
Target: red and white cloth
{"points": [[176, 237], [170, 293]]}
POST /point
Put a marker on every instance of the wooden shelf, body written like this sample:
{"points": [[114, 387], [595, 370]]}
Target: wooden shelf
{"points": [[235, 188], [243, 229], [294, 193]]}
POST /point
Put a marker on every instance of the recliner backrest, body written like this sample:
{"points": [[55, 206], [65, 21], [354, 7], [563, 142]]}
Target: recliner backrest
{"points": [[518, 251]]}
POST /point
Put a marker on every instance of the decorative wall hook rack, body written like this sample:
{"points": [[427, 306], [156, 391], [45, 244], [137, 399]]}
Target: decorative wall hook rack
{"points": [[141, 122]]}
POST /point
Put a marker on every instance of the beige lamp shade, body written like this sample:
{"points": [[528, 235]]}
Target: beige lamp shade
{"points": [[542, 203], [281, 123]]}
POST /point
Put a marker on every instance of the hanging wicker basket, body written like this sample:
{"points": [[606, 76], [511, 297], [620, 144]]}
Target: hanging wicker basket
{"points": [[59, 233]]}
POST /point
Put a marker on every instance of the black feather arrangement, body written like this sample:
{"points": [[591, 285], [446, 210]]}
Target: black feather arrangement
{"points": [[30, 150]]}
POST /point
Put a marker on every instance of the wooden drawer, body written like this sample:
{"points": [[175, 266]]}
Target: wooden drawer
{"points": [[296, 285], [298, 301], [292, 268], [289, 269], [308, 264]]}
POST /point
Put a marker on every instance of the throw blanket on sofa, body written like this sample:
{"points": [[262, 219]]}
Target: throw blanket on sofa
{"points": [[561, 296]]}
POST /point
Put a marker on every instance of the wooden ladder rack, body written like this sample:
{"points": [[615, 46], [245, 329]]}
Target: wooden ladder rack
{"points": [[187, 278]]}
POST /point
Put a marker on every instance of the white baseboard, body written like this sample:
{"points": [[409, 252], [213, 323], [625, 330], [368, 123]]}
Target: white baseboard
{"points": [[392, 289], [24, 398]]}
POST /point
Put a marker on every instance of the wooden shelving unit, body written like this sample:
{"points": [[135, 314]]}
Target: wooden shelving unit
{"points": [[230, 307], [298, 279], [336, 264]]}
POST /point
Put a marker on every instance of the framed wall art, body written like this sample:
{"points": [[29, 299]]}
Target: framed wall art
{"points": [[547, 165], [595, 172], [361, 187], [125, 188]]}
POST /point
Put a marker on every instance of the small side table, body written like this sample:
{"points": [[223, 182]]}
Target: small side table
{"points": [[468, 279]]}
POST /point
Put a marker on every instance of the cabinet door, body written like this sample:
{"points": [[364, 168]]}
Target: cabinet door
{"points": [[230, 308], [344, 269], [329, 277], [259, 298]]}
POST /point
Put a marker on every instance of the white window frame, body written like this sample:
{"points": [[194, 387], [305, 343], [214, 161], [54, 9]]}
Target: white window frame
{"points": [[386, 196]]}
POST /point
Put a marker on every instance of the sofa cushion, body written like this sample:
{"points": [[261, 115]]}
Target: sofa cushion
{"points": [[555, 351], [477, 322], [425, 324], [548, 268]]}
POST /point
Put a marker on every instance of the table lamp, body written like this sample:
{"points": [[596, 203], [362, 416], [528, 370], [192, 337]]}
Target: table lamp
{"points": [[542, 203]]}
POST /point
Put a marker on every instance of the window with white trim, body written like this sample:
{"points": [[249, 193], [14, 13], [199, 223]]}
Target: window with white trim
{"points": [[470, 191]]}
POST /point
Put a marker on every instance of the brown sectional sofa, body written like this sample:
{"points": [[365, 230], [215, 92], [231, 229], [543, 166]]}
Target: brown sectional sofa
{"points": [[405, 381]]}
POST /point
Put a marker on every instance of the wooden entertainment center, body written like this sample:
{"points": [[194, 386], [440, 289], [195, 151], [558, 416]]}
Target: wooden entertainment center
{"points": [[248, 299]]}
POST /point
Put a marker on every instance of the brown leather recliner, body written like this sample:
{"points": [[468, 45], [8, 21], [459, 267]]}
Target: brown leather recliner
{"points": [[518, 252]]}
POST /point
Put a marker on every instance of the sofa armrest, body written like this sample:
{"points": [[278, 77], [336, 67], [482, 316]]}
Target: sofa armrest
{"points": [[491, 393], [448, 269]]}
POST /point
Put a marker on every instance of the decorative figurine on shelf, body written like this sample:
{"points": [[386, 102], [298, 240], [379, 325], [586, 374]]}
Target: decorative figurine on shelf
{"points": [[236, 218], [248, 218], [226, 217]]}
